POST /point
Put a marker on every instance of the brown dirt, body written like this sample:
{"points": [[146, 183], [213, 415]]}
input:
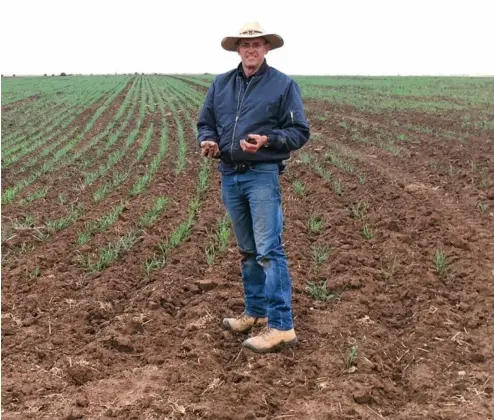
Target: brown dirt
{"points": [[123, 344], [463, 166], [20, 102]]}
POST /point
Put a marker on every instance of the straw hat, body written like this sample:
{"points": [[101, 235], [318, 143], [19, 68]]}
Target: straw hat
{"points": [[251, 30]]}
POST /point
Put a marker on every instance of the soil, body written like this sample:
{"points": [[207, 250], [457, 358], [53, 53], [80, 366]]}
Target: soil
{"points": [[129, 345], [20, 102]]}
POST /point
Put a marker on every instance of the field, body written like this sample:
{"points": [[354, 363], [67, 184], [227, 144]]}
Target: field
{"points": [[118, 263]]}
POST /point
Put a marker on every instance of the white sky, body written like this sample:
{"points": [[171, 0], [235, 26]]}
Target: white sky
{"points": [[183, 36]]}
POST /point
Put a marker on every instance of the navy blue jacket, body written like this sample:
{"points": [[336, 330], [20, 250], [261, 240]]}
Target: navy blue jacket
{"points": [[267, 103]]}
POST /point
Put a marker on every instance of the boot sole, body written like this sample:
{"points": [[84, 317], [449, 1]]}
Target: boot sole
{"points": [[274, 349]]}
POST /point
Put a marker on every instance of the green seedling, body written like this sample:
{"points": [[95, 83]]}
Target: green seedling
{"points": [[483, 207], [320, 253], [36, 195], [338, 186], [352, 357], [299, 187], [320, 291], [306, 158], [367, 232], [440, 261], [315, 224], [34, 273], [358, 210]]}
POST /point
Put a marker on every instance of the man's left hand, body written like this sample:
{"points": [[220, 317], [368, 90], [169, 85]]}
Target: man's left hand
{"points": [[258, 142]]}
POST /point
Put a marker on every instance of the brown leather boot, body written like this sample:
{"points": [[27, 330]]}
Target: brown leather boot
{"points": [[270, 340], [243, 323]]}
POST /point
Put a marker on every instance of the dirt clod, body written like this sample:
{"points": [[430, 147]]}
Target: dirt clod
{"points": [[362, 396]]}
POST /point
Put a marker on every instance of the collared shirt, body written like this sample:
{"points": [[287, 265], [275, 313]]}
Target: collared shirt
{"points": [[247, 79]]}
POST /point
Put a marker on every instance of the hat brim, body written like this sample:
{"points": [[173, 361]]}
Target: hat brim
{"points": [[229, 43]]}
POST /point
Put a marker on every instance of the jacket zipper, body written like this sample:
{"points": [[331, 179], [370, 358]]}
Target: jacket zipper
{"points": [[239, 108]]}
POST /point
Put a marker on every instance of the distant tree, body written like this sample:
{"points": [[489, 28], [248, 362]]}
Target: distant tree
{"points": [[13, 75], [52, 75], [63, 74], [44, 74]]}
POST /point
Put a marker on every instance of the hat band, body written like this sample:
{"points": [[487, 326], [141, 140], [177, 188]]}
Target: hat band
{"points": [[252, 32]]}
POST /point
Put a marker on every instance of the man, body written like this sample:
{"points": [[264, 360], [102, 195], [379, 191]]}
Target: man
{"points": [[252, 118]]}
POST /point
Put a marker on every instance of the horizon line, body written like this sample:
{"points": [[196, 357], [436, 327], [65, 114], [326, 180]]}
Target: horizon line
{"points": [[15, 75]]}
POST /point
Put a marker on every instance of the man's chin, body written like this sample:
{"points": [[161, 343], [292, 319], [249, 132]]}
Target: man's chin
{"points": [[251, 65]]}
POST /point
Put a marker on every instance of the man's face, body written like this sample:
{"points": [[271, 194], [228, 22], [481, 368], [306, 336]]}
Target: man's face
{"points": [[252, 51]]}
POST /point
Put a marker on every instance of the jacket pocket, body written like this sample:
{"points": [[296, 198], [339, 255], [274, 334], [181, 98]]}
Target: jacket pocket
{"points": [[272, 109]]}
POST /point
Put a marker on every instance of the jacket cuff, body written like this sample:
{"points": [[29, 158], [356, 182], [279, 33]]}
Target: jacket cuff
{"points": [[275, 140], [204, 137]]}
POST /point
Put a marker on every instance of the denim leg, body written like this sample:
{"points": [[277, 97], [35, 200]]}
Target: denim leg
{"points": [[267, 215], [253, 276]]}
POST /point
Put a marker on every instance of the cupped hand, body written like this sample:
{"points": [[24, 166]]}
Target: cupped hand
{"points": [[255, 142], [209, 148]]}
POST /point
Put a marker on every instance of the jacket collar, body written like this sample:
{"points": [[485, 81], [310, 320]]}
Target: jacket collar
{"points": [[262, 70]]}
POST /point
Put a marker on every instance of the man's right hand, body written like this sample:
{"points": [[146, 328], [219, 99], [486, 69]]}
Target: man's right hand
{"points": [[210, 149]]}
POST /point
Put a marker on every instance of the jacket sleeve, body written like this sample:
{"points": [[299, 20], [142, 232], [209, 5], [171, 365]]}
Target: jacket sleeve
{"points": [[206, 126], [294, 129]]}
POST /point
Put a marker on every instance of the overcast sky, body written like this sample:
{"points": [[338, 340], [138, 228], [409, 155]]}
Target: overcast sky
{"points": [[332, 37]]}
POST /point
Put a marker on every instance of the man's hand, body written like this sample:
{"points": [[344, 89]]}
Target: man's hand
{"points": [[210, 149], [253, 143]]}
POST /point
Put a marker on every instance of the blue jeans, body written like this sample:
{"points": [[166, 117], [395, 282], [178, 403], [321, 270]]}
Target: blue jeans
{"points": [[253, 202]]}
